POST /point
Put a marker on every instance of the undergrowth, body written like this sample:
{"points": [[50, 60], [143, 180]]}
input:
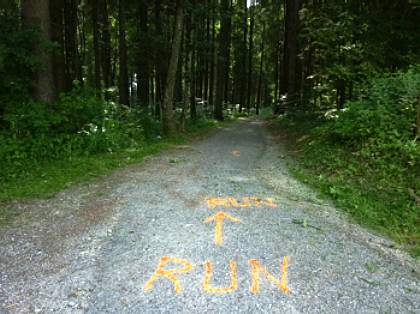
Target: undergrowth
{"points": [[47, 148], [366, 157]]}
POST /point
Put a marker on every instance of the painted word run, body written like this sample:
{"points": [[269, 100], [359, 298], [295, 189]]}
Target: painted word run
{"points": [[185, 266], [246, 202]]}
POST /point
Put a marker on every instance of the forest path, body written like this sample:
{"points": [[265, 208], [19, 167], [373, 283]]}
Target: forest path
{"points": [[97, 248]]}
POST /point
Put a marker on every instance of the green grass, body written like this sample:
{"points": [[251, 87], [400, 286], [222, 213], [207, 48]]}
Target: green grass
{"points": [[45, 178], [374, 194]]}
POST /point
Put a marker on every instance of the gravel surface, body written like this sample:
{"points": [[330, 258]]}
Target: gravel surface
{"points": [[93, 249]]}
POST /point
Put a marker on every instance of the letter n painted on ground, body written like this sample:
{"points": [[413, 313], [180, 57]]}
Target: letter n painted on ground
{"points": [[256, 268], [233, 280], [168, 273], [260, 202]]}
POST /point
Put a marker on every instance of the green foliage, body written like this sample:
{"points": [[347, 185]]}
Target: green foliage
{"points": [[16, 55], [77, 125], [367, 158], [43, 177], [386, 110]]}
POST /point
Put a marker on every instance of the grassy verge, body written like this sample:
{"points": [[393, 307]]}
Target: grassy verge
{"points": [[45, 178], [375, 194]]}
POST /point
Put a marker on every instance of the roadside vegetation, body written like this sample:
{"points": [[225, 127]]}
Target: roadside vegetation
{"points": [[44, 151], [366, 156]]}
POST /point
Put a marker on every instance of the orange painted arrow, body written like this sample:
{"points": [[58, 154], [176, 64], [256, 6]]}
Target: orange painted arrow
{"points": [[236, 152], [220, 216]]}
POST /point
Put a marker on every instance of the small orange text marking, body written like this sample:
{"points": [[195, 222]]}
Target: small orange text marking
{"points": [[233, 280], [168, 273], [260, 202], [232, 202], [256, 268], [213, 202], [236, 204]]}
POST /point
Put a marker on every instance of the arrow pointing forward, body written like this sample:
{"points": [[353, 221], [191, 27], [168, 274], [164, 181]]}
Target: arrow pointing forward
{"points": [[219, 217]]}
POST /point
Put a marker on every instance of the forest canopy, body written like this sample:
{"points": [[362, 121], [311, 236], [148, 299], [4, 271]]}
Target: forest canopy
{"points": [[81, 77]]}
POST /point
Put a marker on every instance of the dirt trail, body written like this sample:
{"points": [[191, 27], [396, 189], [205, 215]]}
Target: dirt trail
{"points": [[219, 226]]}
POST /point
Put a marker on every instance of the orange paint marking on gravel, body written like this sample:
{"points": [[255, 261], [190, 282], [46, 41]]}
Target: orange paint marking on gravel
{"points": [[260, 202], [229, 202], [213, 202], [168, 273], [256, 268], [236, 204], [219, 217], [233, 280]]}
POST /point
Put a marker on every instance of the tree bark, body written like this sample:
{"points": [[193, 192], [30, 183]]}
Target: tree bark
{"points": [[96, 52], [251, 47], [105, 46], [261, 74], [38, 13], [57, 36], [168, 122], [291, 49], [187, 73], [193, 71], [222, 60], [207, 66], [143, 86], [244, 80], [213, 56], [159, 61], [123, 75], [73, 64]]}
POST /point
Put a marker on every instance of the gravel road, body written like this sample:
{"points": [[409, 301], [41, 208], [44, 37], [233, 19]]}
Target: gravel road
{"points": [[217, 226]]}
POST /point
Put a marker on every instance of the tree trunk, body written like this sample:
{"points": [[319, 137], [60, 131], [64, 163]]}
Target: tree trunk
{"points": [[73, 64], [261, 74], [123, 80], [222, 60], [244, 80], [96, 52], [57, 36], [105, 47], [213, 57], [159, 61], [168, 122], [227, 62], [291, 48], [207, 69], [193, 71], [251, 47], [144, 55], [187, 73], [38, 13]]}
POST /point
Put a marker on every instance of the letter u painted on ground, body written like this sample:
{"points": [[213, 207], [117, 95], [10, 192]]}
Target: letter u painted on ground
{"points": [[233, 280]]}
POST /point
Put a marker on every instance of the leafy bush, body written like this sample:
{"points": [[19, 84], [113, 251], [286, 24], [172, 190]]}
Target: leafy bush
{"points": [[78, 124], [386, 110], [17, 60], [367, 157]]}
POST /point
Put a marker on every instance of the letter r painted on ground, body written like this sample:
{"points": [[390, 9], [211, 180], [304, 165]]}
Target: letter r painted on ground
{"points": [[256, 268], [169, 273], [213, 202]]}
